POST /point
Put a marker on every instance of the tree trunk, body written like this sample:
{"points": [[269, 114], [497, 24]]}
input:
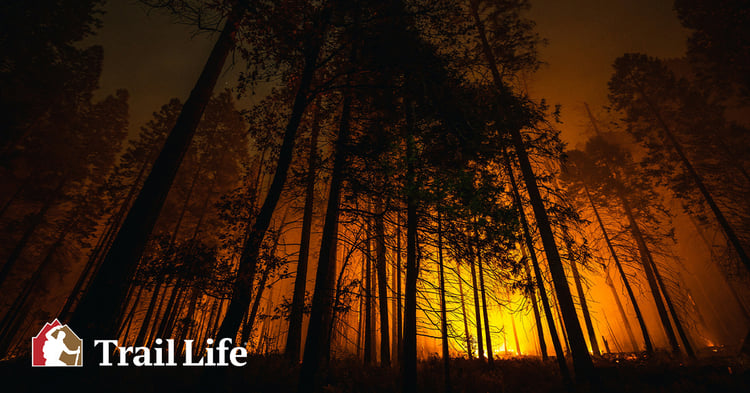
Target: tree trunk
{"points": [[161, 319], [529, 240], [399, 312], [623, 315], [535, 306], [443, 312], [582, 299], [128, 321], [336, 304], [369, 355], [100, 306], [141, 338], [469, 347], [320, 314], [484, 300], [294, 335], [409, 361], [562, 324], [672, 311], [385, 355], [723, 223], [582, 363], [95, 258], [581, 360], [515, 333], [248, 326], [243, 285], [395, 306], [647, 268], [633, 301], [727, 278], [477, 311], [361, 319], [192, 302]]}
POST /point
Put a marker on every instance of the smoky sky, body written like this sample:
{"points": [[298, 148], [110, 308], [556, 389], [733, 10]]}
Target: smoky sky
{"points": [[156, 58]]}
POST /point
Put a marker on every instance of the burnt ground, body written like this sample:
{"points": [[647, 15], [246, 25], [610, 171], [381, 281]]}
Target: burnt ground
{"points": [[273, 374]]}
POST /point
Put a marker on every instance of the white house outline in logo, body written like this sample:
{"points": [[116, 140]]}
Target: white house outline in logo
{"points": [[56, 345]]}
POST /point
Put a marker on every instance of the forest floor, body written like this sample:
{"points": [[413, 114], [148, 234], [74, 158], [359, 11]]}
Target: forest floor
{"points": [[273, 374]]}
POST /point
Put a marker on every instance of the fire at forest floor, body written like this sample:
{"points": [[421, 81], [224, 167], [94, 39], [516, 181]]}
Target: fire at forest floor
{"points": [[659, 373]]}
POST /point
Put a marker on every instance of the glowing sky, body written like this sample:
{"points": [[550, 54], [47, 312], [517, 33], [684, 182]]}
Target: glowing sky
{"points": [[585, 37], [157, 59]]}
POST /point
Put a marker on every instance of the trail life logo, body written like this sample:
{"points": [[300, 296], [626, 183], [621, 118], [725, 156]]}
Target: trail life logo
{"points": [[56, 346]]}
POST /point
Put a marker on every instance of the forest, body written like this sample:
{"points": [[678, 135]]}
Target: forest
{"points": [[368, 196]]}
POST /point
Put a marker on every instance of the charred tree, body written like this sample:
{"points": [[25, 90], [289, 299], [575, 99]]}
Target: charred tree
{"points": [[484, 300], [242, 288], [294, 335], [469, 347], [477, 312], [380, 266], [443, 312], [320, 314], [582, 363], [529, 242], [101, 305]]}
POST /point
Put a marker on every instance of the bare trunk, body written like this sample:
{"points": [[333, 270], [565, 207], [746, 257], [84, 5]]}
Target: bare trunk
{"points": [[248, 325], [515, 333], [673, 311], [399, 312], [584, 304], [394, 311], [141, 338], [242, 289], [360, 315], [623, 315], [582, 363], [369, 355], [409, 363], [380, 266], [100, 306], [320, 315], [529, 240], [484, 301], [624, 277], [647, 268], [718, 214], [469, 347], [104, 243], [535, 306], [294, 335], [193, 300], [128, 322], [163, 318], [443, 312], [477, 312]]}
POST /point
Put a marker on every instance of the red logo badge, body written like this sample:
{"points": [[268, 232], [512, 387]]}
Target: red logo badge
{"points": [[56, 346]]}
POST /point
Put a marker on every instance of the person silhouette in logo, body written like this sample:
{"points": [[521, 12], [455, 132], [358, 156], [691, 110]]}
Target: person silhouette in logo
{"points": [[55, 346]]}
